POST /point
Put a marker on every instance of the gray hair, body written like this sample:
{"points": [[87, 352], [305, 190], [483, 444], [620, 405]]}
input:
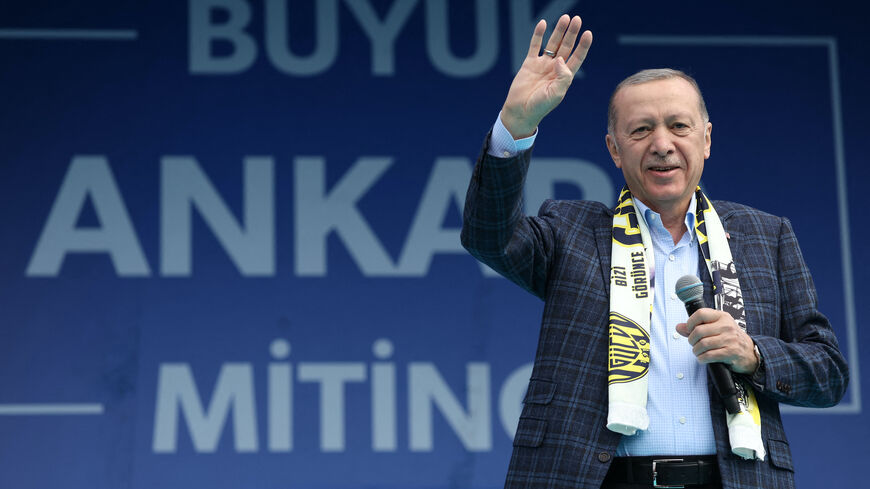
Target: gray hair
{"points": [[646, 76]]}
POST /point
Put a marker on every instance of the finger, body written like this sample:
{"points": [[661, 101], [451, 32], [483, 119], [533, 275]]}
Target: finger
{"points": [[562, 71], [705, 345], [695, 335], [715, 355], [537, 38], [563, 79], [702, 331], [683, 329], [558, 33], [570, 36], [724, 345], [707, 358], [579, 54], [701, 316]]}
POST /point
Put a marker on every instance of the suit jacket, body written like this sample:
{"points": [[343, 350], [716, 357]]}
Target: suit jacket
{"points": [[563, 257]]}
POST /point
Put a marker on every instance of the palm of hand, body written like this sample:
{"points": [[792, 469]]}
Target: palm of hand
{"points": [[539, 86], [542, 81]]}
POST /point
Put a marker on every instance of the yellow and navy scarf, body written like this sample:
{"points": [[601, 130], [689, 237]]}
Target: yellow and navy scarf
{"points": [[631, 302]]}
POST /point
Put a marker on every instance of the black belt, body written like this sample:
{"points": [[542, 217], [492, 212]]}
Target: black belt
{"points": [[662, 472]]}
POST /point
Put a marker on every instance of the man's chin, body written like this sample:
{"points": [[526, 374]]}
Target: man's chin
{"points": [[668, 200]]}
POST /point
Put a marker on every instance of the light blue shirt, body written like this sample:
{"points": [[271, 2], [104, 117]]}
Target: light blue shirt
{"points": [[677, 401], [678, 404]]}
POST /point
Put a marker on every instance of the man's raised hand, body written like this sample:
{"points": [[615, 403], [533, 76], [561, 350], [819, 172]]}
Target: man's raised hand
{"points": [[544, 79]]}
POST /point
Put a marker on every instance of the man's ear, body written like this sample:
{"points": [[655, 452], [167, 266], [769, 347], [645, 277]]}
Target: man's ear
{"points": [[613, 149], [707, 140]]}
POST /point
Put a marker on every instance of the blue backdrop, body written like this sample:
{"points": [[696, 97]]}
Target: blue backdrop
{"points": [[229, 249]]}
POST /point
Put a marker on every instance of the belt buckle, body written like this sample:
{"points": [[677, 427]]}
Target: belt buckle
{"points": [[655, 473]]}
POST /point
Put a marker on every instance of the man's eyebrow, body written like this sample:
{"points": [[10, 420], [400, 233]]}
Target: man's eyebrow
{"points": [[641, 120], [679, 115]]}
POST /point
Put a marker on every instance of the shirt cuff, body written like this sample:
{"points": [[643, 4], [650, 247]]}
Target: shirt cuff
{"points": [[503, 145]]}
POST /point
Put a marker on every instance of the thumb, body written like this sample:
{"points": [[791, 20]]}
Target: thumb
{"points": [[683, 329]]}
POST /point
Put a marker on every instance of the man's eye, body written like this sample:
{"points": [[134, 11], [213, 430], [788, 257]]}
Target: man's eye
{"points": [[681, 127], [640, 130]]}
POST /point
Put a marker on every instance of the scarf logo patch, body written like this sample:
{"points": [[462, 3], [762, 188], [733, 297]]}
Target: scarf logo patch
{"points": [[629, 350]]}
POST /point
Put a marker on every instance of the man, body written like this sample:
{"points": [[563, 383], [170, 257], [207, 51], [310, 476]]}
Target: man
{"points": [[619, 395]]}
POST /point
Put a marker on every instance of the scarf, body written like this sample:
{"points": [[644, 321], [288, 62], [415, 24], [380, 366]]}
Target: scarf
{"points": [[631, 302]]}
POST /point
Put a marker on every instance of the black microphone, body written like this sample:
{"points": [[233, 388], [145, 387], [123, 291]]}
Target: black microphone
{"points": [[690, 290]]}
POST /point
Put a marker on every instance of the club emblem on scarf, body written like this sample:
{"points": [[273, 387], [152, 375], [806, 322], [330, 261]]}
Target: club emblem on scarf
{"points": [[629, 350]]}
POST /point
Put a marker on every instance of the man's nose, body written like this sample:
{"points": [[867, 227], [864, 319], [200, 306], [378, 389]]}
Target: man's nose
{"points": [[662, 145]]}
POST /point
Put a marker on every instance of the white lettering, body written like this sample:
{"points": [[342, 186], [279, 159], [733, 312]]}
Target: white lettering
{"points": [[88, 176], [178, 400], [438, 42], [203, 34], [510, 400], [544, 173], [184, 186], [250, 240], [428, 388], [382, 34], [326, 32], [383, 398], [318, 214], [446, 186], [280, 398], [332, 377], [176, 393]]}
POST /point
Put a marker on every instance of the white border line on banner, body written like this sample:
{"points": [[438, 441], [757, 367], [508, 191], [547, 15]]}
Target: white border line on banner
{"points": [[840, 160], [50, 409], [70, 34], [61, 409]]}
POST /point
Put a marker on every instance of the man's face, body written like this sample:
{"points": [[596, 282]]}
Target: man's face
{"points": [[660, 142]]}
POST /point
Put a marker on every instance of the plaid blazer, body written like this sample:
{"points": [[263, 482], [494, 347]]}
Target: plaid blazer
{"points": [[563, 257]]}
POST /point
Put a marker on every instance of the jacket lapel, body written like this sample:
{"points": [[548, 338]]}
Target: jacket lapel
{"points": [[604, 240]]}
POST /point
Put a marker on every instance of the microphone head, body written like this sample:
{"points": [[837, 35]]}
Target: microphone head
{"points": [[689, 288]]}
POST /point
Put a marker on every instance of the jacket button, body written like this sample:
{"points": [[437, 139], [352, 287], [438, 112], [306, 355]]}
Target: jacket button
{"points": [[603, 457]]}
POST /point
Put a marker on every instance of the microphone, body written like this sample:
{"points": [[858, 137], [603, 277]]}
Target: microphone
{"points": [[690, 290]]}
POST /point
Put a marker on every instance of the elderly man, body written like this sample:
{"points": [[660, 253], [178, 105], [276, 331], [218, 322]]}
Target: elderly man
{"points": [[619, 396]]}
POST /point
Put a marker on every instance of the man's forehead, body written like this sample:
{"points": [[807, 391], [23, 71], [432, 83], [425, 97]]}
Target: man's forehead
{"points": [[671, 97], [670, 90]]}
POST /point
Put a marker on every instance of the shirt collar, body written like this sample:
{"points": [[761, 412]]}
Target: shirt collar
{"points": [[647, 214]]}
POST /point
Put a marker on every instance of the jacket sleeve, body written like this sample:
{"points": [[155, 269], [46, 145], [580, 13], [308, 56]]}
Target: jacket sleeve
{"points": [[495, 229], [803, 366]]}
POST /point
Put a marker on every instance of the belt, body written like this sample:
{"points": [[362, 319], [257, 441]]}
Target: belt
{"points": [[665, 472]]}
